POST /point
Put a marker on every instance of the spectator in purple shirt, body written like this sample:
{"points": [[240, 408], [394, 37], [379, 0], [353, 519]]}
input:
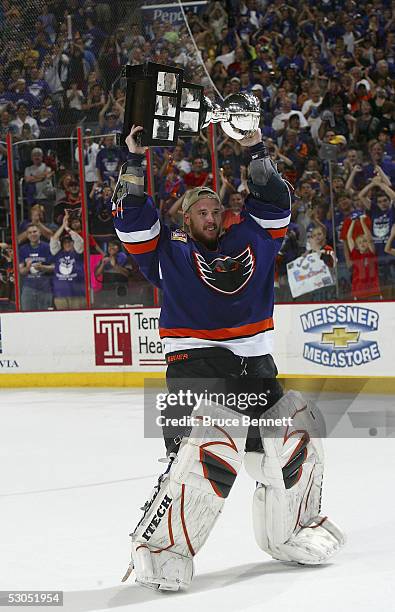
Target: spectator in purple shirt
{"points": [[35, 267], [67, 249], [22, 94], [37, 87]]}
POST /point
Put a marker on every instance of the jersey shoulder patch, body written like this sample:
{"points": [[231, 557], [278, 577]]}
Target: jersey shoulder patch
{"points": [[179, 234]]}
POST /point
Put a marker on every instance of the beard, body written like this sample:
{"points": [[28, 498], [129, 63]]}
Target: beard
{"points": [[210, 242]]}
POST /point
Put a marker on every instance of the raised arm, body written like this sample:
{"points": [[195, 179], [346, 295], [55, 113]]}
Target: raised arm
{"points": [[269, 202], [136, 219], [54, 243], [174, 211], [368, 234], [350, 240], [388, 245]]}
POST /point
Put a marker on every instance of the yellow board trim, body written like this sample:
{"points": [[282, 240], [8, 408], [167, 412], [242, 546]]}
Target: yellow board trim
{"points": [[299, 382]]}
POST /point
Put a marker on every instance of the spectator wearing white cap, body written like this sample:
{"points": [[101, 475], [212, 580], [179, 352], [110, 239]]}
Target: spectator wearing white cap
{"points": [[263, 97]]}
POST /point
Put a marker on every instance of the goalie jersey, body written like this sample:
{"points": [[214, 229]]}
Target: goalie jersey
{"points": [[221, 298]]}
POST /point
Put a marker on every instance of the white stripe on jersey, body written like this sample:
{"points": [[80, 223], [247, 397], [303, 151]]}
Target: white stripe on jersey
{"points": [[140, 236], [253, 346], [272, 223]]}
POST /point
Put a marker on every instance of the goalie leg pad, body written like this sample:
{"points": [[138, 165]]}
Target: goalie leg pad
{"points": [[186, 502], [287, 502]]}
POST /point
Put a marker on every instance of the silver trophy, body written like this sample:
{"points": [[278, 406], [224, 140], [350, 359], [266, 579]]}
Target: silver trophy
{"points": [[239, 115], [166, 106]]}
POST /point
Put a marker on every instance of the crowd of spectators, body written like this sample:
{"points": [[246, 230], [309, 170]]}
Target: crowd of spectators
{"points": [[324, 77], [60, 66]]}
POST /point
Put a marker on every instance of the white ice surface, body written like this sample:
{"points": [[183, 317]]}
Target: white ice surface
{"points": [[75, 469]]}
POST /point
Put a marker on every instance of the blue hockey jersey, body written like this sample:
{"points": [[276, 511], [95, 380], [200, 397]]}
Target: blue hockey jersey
{"points": [[212, 298]]}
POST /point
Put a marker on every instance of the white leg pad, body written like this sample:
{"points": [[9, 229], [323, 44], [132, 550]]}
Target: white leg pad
{"points": [[186, 503], [287, 502]]}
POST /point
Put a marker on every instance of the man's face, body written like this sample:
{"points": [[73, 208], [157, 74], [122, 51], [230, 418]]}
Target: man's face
{"points": [[198, 166], [376, 152], [294, 123], [37, 158], [33, 234], [178, 153], [345, 205], [75, 225], [306, 191], [108, 141], [352, 156], [67, 245], [22, 111], [205, 221], [338, 183], [382, 67], [236, 202], [383, 202]]}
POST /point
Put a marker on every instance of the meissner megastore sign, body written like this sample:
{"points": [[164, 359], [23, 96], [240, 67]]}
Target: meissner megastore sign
{"points": [[325, 339], [342, 336]]}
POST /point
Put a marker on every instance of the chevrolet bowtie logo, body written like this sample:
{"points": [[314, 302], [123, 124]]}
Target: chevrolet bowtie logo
{"points": [[340, 337]]}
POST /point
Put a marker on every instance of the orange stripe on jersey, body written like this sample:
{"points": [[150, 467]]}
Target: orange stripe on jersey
{"points": [[226, 333], [278, 233], [141, 247]]}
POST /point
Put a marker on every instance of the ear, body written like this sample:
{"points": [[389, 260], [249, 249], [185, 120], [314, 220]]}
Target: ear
{"points": [[187, 218]]}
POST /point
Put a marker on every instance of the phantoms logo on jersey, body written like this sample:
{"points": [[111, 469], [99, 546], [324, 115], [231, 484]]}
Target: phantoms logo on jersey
{"points": [[341, 330], [226, 274]]}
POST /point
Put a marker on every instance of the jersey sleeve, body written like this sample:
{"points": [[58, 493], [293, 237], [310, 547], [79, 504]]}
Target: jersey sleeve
{"points": [[138, 227], [270, 207]]}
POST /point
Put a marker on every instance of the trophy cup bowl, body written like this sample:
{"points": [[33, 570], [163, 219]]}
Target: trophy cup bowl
{"points": [[239, 115]]}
